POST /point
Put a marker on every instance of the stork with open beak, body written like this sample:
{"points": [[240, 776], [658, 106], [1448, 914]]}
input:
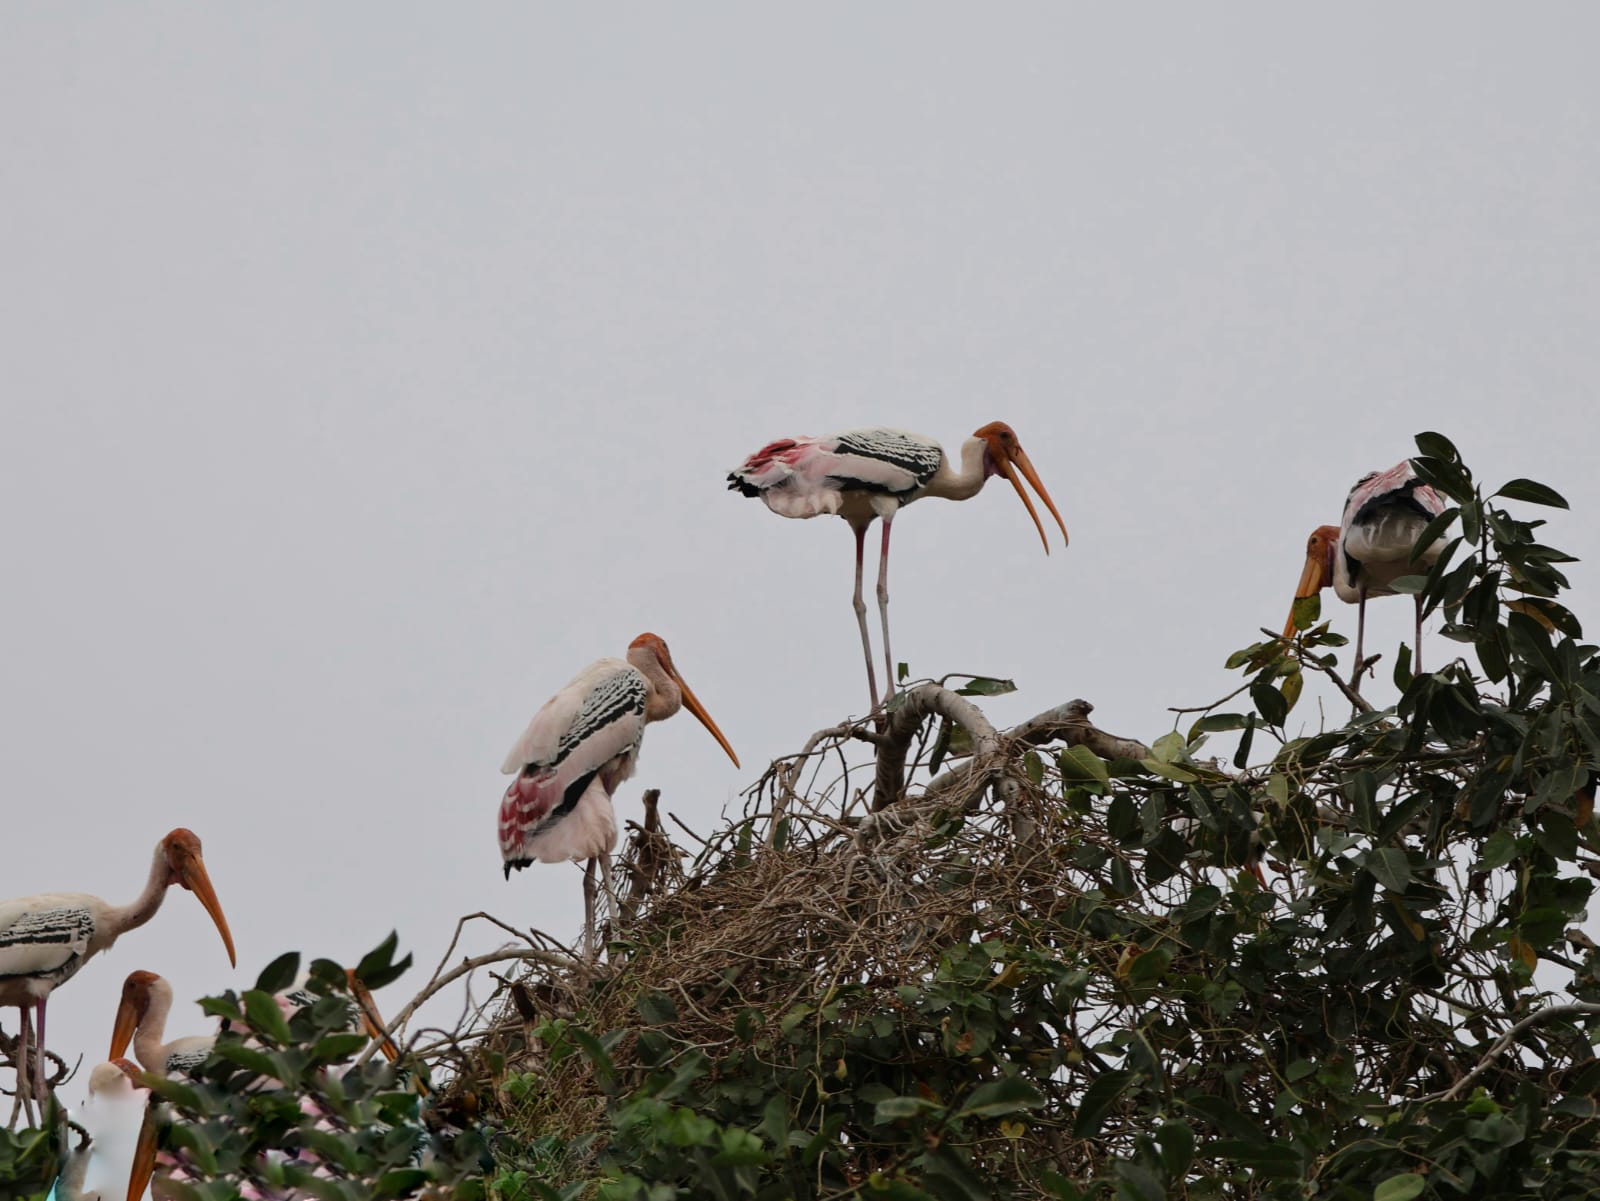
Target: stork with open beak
{"points": [[866, 474]]}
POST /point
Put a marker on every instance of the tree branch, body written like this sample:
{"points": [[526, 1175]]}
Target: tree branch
{"points": [[921, 702], [1503, 1043], [1067, 723]]}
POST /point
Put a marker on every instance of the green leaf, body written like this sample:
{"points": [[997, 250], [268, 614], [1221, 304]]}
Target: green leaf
{"points": [[266, 1018], [999, 1097], [377, 967], [1097, 1101], [1079, 763], [1177, 1148], [1033, 768], [1404, 1187], [280, 973], [985, 686], [656, 1008], [894, 1109], [1306, 610], [1269, 702], [1170, 771], [1437, 446], [902, 671], [1391, 867], [1533, 493]]}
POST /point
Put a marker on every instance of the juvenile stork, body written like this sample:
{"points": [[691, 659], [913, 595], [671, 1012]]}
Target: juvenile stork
{"points": [[865, 474], [1372, 547], [46, 938], [578, 748], [103, 1169]]}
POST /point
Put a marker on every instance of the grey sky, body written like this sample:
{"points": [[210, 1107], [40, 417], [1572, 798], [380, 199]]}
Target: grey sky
{"points": [[367, 371]]}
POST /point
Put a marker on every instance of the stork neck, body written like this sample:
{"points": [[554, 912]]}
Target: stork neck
{"points": [[148, 1036], [953, 484], [121, 918], [662, 697]]}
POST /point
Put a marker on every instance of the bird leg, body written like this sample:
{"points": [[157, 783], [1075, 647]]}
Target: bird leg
{"points": [[861, 618], [588, 910], [1416, 659], [883, 607], [41, 1090], [1361, 635], [609, 899]]}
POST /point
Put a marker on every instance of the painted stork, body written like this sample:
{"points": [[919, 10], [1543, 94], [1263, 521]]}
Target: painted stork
{"points": [[1384, 516], [103, 1168], [871, 473], [46, 938], [577, 749], [142, 1020]]}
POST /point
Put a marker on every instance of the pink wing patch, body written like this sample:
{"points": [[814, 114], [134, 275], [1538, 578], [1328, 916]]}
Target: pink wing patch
{"points": [[771, 451], [526, 803]]}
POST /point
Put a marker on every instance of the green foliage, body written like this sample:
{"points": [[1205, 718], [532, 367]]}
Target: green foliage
{"points": [[281, 1104], [1129, 1015], [29, 1158]]}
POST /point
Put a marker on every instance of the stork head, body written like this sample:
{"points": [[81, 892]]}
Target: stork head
{"points": [[135, 1003], [653, 647], [1003, 455], [1317, 574], [185, 867]]}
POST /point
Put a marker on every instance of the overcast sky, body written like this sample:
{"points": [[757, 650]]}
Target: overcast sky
{"points": [[369, 370]]}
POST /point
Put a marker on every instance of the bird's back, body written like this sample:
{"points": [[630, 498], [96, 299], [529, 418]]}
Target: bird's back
{"points": [[808, 477], [585, 737], [1384, 516], [44, 939]]}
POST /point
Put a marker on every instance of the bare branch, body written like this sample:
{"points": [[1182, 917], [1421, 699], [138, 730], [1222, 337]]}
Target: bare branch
{"points": [[1551, 1013], [917, 705]]}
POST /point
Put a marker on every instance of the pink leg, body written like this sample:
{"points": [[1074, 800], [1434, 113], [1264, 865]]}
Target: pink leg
{"points": [[883, 607], [861, 617]]}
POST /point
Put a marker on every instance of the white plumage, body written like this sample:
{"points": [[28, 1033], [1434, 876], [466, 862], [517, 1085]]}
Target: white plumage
{"points": [[46, 938], [865, 474], [581, 744]]}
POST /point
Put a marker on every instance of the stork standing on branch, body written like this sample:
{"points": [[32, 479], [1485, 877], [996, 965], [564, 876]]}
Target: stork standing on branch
{"points": [[46, 938], [1384, 515], [579, 747], [865, 474]]}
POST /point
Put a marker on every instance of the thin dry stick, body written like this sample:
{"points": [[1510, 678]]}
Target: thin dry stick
{"points": [[1503, 1043], [548, 958]]}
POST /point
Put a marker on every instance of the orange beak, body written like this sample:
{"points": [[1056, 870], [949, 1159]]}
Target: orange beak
{"points": [[191, 871], [129, 1010], [1318, 572], [1018, 458], [144, 1151], [692, 703]]}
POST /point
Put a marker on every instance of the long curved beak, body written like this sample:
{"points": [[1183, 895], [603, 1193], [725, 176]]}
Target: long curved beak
{"points": [[692, 703], [123, 1028], [192, 875], [144, 1152], [1019, 459], [144, 1156]]}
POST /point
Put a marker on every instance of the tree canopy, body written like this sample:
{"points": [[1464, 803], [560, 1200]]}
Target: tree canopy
{"points": [[1033, 963]]}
